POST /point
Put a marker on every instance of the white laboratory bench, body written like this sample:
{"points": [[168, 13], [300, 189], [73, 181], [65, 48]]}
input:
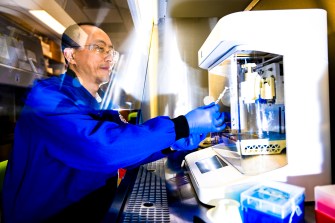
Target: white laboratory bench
{"points": [[161, 191]]}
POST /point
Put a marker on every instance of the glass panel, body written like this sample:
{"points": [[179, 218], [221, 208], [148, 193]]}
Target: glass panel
{"points": [[255, 139]]}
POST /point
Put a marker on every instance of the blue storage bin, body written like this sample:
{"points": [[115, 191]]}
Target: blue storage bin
{"points": [[273, 202]]}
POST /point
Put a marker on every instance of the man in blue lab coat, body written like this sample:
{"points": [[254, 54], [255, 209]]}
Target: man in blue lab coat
{"points": [[63, 167]]}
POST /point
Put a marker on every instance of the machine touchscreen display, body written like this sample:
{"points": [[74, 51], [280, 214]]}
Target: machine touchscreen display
{"points": [[209, 164]]}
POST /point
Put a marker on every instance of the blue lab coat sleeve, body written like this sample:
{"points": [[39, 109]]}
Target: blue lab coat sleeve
{"points": [[74, 134]]}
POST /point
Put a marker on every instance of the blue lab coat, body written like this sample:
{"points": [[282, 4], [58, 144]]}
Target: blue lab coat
{"points": [[66, 148]]}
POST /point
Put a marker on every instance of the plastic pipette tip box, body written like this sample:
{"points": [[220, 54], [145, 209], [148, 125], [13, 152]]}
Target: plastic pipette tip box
{"points": [[325, 204], [273, 202]]}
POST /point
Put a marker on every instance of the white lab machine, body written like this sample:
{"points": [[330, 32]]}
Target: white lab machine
{"points": [[275, 66]]}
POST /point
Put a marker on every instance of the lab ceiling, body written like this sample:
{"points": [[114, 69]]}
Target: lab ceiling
{"points": [[115, 16]]}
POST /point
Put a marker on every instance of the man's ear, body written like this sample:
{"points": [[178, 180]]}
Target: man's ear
{"points": [[69, 55]]}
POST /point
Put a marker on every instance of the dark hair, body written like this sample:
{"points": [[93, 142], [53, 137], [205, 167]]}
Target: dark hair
{"points": [[70, 36]]}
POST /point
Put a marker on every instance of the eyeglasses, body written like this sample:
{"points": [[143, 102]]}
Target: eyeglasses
{"points": [[102, 50]]}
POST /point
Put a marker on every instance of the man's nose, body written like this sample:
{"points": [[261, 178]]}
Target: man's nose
{"points": [[108, 57]]}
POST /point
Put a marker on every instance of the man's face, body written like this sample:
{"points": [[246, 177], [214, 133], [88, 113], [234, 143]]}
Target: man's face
{"points": [[92, 62]]}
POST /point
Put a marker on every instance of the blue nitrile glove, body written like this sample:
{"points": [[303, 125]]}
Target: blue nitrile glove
{"points": [[206, 119], [188, 143]]}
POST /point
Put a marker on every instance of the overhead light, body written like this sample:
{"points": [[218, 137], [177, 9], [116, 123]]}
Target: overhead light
{"points": [[47, 19]]}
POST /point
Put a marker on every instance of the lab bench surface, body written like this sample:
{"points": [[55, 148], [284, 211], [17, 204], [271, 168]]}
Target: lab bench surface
{"points": [[161, 191]]}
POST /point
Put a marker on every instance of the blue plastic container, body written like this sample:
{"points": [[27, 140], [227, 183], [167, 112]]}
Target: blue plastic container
{"points": [[273, 202]]}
